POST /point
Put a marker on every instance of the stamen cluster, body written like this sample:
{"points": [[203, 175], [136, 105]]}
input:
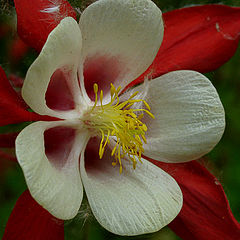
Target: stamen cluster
{"points": [[123, 123]]}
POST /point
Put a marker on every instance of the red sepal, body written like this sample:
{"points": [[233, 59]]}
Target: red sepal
{"points": [[29, 221], [200, 38], [36, 19], [7, 93], [206, 214], [12, 107]]}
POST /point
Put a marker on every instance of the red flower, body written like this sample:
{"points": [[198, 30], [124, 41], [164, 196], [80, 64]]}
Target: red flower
{"points": [[187, 34]]}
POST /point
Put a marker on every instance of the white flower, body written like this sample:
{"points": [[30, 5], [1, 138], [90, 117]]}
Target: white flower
{"points": [[115, 42]]}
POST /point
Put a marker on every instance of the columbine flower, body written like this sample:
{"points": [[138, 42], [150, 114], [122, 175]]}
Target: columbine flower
{"points": [[174, 118]]}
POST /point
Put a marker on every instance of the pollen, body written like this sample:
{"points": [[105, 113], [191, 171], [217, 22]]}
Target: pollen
{"points": [[119, 125]]}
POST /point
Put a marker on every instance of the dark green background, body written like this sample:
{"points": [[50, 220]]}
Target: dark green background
{"points": [[224, 160]]}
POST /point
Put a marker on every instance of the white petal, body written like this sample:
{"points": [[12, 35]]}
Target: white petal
{"points": [[120, 38], [57, 188], [189, 117], [135, 202], [60, 52]]}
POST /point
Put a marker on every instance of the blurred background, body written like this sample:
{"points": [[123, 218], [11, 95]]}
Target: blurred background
{"points": [[223, 161]]}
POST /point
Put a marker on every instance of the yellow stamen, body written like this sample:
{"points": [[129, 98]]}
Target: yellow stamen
{"points": [[95, 88], [101, 98], [123, 123]]}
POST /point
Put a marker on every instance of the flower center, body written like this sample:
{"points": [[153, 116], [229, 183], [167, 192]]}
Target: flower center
{"points": [[120, 121]]}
